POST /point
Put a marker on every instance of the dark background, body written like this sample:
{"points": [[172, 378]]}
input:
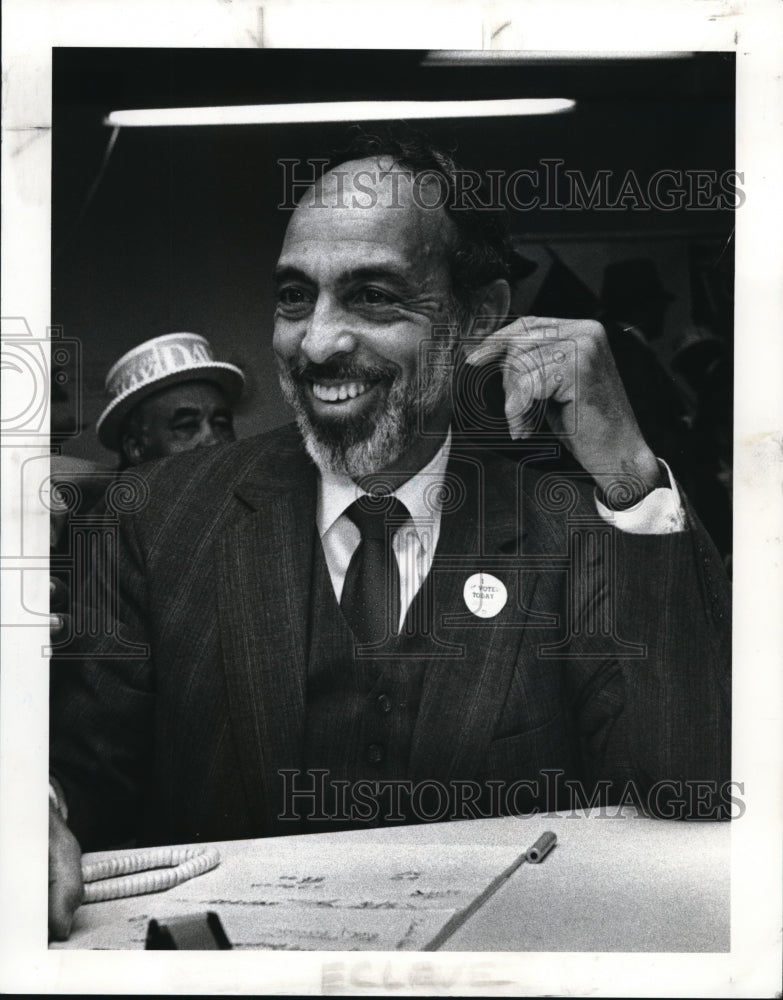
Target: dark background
{"points": [[183, 230]]}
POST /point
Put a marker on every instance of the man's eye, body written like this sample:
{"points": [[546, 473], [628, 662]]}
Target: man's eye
{"points": [[292, 296], [187, 426], [373, 297]]}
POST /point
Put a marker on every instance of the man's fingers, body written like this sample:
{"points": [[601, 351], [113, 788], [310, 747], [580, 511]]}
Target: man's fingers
{"points": [[519, 425], [523, 411], [523, 388], [501, 345], [525, 334], [65, 897], [541, 322], [59, 599], [59, 625], [66, 888], [58, 594], [530, 377], [528, 384], [493, 348]]}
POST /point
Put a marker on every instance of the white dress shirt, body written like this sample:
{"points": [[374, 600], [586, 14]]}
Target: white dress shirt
{"points": [[413, 544], [659, 513]]}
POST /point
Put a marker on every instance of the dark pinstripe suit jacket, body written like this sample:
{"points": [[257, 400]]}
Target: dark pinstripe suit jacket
{"points": [[609, 660]]}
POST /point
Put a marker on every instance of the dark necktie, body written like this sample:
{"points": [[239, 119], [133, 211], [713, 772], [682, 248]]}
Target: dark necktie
{"points": [[370, 599]]}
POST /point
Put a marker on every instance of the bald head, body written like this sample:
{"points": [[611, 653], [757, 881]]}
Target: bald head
{"points": [[383, 207], [381, 181], [479, 246]]}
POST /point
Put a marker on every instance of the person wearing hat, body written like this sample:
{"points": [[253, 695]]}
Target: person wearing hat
{"points": [[168, 395], [373, 597]]}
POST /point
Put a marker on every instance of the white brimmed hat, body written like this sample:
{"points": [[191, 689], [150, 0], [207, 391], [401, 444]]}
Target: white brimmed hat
{"points": [[163, 361]]}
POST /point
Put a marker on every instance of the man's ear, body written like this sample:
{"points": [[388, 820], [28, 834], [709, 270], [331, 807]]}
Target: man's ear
{"points": [[490, 308], [132, 449]]}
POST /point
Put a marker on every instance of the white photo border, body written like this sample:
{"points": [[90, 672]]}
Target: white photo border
{"points": [[753, 30]]}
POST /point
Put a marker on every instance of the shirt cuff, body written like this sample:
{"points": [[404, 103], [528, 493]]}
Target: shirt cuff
{"points": [[660, 513]]}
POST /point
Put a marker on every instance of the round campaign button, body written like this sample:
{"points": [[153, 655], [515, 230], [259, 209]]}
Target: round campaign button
{"points": [[485, 595]]}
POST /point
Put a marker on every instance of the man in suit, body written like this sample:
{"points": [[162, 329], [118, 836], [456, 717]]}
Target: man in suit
{"points": [[374, 600], [166, 395]]}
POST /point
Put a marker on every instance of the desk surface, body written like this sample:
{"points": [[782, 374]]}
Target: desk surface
{"points": [[612, 883]]}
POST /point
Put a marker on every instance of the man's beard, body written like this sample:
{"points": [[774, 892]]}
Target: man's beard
{"points": [[370, 442]]}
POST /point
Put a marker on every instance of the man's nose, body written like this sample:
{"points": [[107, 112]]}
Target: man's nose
{"points": [[206, 436], [328, 331]]}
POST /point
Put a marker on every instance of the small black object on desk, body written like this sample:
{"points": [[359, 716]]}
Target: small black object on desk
{"points": [[201, 932]]}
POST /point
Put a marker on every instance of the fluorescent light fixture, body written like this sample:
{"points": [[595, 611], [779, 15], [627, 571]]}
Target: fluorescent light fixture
{"points": [[337, 111], [512, 57]]}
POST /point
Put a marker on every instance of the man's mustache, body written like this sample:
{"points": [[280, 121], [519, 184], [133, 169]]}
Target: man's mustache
{"points": [[309, 371]]}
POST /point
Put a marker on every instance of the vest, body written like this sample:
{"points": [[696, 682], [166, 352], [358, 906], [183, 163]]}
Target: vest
{"points": [[361, 711]]}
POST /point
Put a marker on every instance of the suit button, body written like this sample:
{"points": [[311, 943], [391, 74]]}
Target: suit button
{"points": [[383, 703], [375, 753]]}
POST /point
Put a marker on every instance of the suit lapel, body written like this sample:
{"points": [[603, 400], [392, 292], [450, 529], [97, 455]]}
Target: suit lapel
{"points": [[263, 586], [263, 581], [463, 694]]}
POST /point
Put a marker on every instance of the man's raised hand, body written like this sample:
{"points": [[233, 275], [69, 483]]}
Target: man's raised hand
{"points": [[565, 368]]}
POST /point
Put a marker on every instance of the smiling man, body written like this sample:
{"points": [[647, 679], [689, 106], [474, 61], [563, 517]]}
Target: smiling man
{"points": [[382, 620], [360, 288]]}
